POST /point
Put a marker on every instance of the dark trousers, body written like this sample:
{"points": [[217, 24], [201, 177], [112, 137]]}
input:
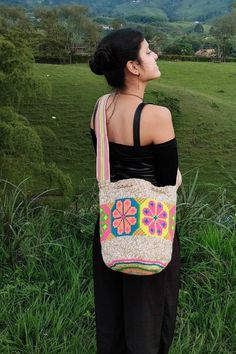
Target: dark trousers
{"points": [[134, 314]]}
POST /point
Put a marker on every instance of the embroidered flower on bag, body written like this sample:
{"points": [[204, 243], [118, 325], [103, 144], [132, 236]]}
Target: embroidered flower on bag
{"points": [[155, 218], [124, 216]]}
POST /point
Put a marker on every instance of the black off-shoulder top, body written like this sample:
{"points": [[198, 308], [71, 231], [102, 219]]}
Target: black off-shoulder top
{"points": [[156, 163]]}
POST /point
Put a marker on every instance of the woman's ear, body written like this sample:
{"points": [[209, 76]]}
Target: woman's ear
{"points": [[132, 67]]}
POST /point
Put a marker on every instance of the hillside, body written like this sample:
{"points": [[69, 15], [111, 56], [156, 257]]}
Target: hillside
{"points": [[176, 10], [205, 130]]}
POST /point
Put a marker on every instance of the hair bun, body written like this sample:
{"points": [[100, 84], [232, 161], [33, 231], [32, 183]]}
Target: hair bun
{"points": [[102, 61]]}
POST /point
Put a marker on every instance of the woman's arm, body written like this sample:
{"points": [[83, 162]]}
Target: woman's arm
{"points": [[166, 156]]}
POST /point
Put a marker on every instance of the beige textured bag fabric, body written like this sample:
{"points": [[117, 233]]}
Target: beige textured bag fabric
{"points": [[137, 219]]}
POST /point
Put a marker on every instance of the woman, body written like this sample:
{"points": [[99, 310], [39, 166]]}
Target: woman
{"points": [[134, 314]]}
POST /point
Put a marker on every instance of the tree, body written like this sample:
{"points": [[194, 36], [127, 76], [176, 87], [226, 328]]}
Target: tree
{"points": [[223, 29], [117, 23], [158, 41], [14, 17], [180, 47], [199, 28], [17, 81], [233, 6], [63, 28]]}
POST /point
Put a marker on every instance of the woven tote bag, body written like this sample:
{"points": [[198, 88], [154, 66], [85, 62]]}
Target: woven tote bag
{"points": [[137, 219]]}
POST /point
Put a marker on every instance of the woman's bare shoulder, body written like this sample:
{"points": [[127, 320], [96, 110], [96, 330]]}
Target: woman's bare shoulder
{"points": [[159, 120], [158, 112]]}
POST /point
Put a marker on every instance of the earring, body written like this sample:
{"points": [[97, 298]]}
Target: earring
{"points": [[138, 80]]}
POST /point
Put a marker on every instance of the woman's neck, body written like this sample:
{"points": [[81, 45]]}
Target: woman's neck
{"points": [[134, 90]]}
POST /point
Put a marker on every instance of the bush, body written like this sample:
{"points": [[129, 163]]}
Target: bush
{"points": [[175, 57], [180, 47], [76, 58], [17, 137], [22, 157]]}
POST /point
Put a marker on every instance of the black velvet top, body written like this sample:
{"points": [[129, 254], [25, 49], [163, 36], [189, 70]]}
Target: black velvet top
{"points": [[156, 163]]}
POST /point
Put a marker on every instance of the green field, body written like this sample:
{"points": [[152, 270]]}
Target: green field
{"points": [[46, 291], [205, 130]]}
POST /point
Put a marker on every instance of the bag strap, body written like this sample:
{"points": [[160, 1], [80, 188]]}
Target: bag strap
{"points": [[94, 112], [102, 160], [136, 125]]}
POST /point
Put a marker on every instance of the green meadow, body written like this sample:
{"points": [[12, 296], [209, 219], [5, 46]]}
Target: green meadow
{"points": [[205, 130], [46, 289]]}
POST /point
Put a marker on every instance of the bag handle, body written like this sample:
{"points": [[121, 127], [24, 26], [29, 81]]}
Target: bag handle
{"points": [[102, 160]]}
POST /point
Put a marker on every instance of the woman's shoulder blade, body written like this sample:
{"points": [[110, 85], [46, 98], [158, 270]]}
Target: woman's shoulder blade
{"points": [[158, 120]]}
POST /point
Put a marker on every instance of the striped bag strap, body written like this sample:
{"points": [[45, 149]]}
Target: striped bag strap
{"points": [[102, 160]]}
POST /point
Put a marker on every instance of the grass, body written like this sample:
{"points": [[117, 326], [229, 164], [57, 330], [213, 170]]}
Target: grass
{"points": [[46, 292], [205, 131]]}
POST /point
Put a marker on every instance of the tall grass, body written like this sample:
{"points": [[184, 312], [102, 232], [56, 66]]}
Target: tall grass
{"points": [[46, 291], [207, 303]]}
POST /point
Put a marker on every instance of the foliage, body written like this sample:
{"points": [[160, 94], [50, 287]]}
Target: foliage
{"points": [[202, 139], [53, 33], [17, 138], [168, 9], [173, 10], [176, 57], [209, 42], [56, 34], [12, 17], [180, 46], [62, 29], [158, 41], [22, 155], [54, 174], [17, 80], [118, 23], [20, 145], [223, 29], [46, 290], [199, 28]]}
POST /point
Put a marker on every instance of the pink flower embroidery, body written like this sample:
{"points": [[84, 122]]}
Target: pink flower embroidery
{"points": [[155, 217], [124, 216]]}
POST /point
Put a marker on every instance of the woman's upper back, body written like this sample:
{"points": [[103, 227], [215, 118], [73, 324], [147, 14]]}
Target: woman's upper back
{"points": [[155, 126], [134, 155]]}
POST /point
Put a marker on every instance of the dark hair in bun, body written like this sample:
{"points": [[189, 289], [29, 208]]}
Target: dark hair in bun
{"points": [[102, 60], [113, 52]]}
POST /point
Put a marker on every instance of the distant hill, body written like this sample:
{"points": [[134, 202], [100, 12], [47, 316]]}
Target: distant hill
{"points": [[144, 10]]}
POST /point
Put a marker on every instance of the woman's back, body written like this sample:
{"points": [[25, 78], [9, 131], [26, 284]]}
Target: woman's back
{"points": [[155, 126], [133, 154]]}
